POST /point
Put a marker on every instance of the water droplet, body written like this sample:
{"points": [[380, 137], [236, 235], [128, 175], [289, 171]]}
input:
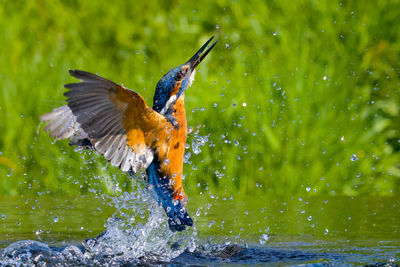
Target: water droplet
{"points": [[354, 157], [210, 223], [38, 232], [219, 175], [324, 78], [198, 213], [187, 157], [326, 232], [197, 142], [166, 162], [263, 239], [217, 26], [3, 216], [308, 189], [55, 219], [309, 218], [274, 33]]}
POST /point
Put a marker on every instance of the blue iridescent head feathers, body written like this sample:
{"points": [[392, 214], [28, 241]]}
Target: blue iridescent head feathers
{"points": [[164, 89]]}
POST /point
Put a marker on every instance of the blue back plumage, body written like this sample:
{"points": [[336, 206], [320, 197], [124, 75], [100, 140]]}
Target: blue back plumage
{"points": [[178, 217]]}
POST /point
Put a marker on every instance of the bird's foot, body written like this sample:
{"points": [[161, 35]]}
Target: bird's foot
{"points": [[173, 121]]}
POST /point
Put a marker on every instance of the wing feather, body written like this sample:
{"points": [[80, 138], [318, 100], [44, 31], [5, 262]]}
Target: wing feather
{"points": [[61, 122], [116, 121], [119, 157], [114, 146], [102, 145]]}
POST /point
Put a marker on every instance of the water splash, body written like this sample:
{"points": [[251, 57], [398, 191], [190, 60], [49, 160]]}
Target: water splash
{"points": [[197, 142], [137, 232], [33, 253]]}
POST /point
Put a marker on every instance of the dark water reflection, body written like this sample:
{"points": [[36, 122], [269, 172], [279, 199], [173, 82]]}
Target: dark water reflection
{"points": [[289, 230]]}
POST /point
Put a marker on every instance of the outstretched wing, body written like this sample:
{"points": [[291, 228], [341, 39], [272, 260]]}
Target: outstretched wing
{"points": [[114, 120]]}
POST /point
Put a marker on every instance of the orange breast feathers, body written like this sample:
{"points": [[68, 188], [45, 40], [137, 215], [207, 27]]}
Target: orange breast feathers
{"points": [[146, 128], [171, 148]]}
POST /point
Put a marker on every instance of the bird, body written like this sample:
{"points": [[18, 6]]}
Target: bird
{"points": [[117, 123]]}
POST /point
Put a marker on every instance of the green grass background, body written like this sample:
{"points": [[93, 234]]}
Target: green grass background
{"points": [[292, 92]]}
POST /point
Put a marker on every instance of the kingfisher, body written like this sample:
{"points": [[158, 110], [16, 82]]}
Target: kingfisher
{"points": [[117, 123]]}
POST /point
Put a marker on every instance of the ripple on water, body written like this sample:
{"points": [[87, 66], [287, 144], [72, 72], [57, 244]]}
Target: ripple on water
{"points": [[99, 252], [35, 253]]}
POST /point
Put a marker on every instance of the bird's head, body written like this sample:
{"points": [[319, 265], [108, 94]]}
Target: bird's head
{"points": [[173, 83]]}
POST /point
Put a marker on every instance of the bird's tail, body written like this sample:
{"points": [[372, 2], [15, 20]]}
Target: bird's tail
{"points": [[178, 217]]}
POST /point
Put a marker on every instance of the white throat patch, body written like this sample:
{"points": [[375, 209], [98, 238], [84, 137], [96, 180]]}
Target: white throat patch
{"points": [[170, 101], [191, 78]]}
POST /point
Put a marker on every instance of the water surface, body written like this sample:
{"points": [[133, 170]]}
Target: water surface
{"points": [[253, 230]]}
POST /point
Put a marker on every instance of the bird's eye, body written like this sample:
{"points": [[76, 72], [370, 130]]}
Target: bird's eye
{"points": [[179, 76]]}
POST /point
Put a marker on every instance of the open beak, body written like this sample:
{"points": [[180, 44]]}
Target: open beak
{"points": [[199, 56]]}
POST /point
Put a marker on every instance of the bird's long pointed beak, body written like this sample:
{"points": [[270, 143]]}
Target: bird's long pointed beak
{"points": [[199, 56]]}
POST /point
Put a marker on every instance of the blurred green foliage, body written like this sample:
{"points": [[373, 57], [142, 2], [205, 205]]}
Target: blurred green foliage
{"points": [[297, 97]]}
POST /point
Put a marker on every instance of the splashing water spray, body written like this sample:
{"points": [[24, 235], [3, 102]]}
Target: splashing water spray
{"points": [[138, 230]]}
